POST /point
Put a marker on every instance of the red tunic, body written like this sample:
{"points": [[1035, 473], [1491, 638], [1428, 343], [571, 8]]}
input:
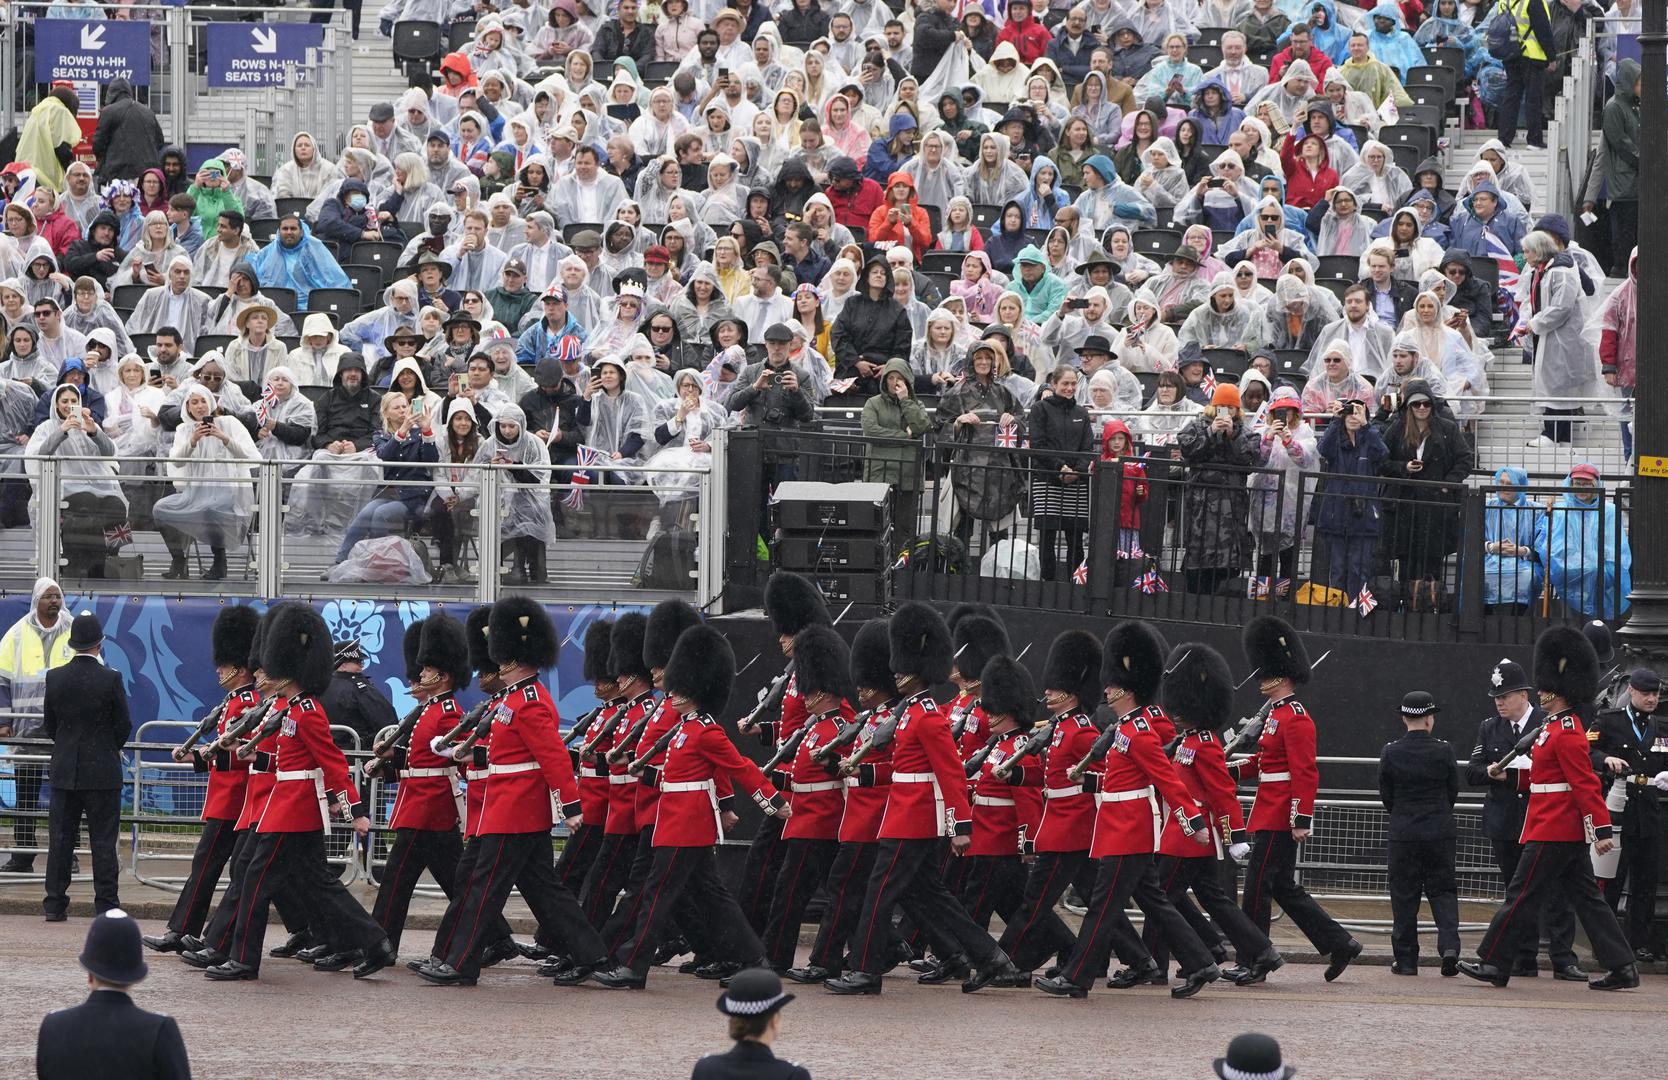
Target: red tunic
{"points": [[594, 771], [309, 771], [648, 787], [1068, 821], [975, 724], [819, 800], [529, 777], [259, 788], [1566, 800], [1136, 791], [929, 787], [624, 790], [1285, 766], [689, 804], [1204, 770], [866, 792], [475, 774], [228, 774], [1002, 807], [427, 798]]}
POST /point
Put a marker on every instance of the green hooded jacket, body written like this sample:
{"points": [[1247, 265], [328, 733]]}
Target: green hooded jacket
{"points": [[1621, 136], [887, 417]]}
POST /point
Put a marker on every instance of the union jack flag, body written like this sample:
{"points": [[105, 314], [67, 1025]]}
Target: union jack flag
{"points": [[1152, 582], [1008, 435], [1498, 250], [263, 408], [1081, 574], [119, 535], [1258, 588], [588, 456], [1365, 602]]}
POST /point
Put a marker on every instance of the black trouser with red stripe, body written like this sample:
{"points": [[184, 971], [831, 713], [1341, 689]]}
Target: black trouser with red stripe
{"points": [[1204, 876], [1036, 932], [1544, 866], [992, 884], [1106, 929], [623, 923], [436, 850], [607, 875], [461, 873], [688, 874], [295, 916], [295, 862], [847, 883], [577, 854], [214, 851], [521, 861], [805, 865], [759, 873], [907, 874], [1271, 875]]}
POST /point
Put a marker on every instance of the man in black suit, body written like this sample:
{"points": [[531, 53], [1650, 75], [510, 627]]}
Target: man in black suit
{"points": [[86, 718], [1630, 754], [1503, 811], [1418, 780], [108, 1037]]}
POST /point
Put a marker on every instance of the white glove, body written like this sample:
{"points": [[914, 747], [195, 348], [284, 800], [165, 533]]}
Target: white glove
{"points": [[1239, 852], [439, 746], [1660, 781]]}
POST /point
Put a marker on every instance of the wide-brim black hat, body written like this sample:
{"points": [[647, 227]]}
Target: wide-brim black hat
{"points": [[233, 634], [1132, 657], [822, 663], [753, 992], [113, 952], [520, 632], [793, 602], [597, 665], [702, 668], [445, 648], [667, 622], [1073, 667]]}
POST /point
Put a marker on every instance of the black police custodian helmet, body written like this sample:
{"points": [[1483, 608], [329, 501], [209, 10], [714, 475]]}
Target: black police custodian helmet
{"points": [[113, 952], [920, 642], [625, 647], [1132, 657], [702, 668], [871, 658], [233, 635], [667, 622], [1603, 642], [598, 656], [822, 663], [520, 632], [1198, 687], [475, 629], [1006, 689], [793, 603], [1566, 665], [1073, 667], [1507, 677], [974, 640], [445, 648], [1274, 650], [297, 647]]}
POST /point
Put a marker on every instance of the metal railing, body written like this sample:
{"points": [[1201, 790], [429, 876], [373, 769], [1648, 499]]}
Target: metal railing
{"points": [[283, 529]]}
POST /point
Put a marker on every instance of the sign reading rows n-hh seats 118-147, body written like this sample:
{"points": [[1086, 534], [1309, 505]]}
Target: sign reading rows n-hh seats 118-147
{"points": [[95, 50], [243, 55]]}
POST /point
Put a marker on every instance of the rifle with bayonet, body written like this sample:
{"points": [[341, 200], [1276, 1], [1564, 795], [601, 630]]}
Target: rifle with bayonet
{"points": [[209, 723], [398, 738], [826, 754], [882, 738], [1034, 743], [246, 723], [787, 751], [979, 756]]}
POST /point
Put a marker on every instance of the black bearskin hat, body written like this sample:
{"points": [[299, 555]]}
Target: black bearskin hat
{"points": [[233, 635], [974, 641], [1007, 689], [1133, 658], [1274, 650], [667, 622], [1567, 665], [871, 658], [793, 603], [598, 659], [297, 647], [475, 628], [626, 646], [702, 668], [445, 648], [958, 612], [1198, 687], [410, 645], [822, 663], [257, 644], [1073, 667], [520, 632], [920, 642]]}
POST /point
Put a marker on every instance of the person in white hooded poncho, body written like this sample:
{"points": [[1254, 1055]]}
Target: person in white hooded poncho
{"points": [[307, 171], [1461, 365], [1110, 391], [937, 359], [1407, 364], [313, 361], [1145, 344], [1063, 331], [1365, 338], [1411, 254], [993, 179], [211, 465], [450, 511], [1223, 322], [526, 524], [615, 420], [131, 410], [1376, 179], [284, 418], [683, 429], [938, 172], [87, 488], [1341, 228]]}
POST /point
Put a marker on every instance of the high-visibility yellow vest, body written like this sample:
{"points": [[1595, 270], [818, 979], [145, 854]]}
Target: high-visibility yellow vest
{"points": [[1532, 49]]}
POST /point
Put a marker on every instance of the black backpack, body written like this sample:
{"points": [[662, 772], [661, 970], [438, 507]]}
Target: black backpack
{"points": [[668, 563]]}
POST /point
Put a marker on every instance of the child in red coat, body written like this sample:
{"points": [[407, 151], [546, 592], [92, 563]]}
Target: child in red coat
{"points": [[1116, 444]]}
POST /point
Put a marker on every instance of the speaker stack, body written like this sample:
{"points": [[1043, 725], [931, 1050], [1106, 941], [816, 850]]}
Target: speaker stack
{"points": [[838, 535]]}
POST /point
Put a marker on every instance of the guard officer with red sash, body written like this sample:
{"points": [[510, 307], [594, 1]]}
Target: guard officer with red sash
{"points": [[698, 680], [1566, 816], [310, 779], [1005, 809], [425, 816], [1287, 780], [927, 804], [232, 635], [530, 782], [866, 791], [811, 838]]}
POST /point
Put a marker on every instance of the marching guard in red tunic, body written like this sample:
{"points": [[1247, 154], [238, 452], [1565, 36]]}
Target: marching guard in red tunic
{"points": [[573, 865], [1005, 809], [1566, 816], [1284, 811]]}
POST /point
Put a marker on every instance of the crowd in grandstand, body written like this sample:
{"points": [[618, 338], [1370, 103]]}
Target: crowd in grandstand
{"points": [[593, 237]]}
